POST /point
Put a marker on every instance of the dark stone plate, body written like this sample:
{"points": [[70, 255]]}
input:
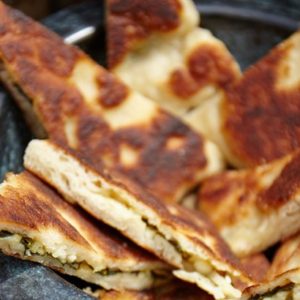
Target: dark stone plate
{"points": [[248, 27]]}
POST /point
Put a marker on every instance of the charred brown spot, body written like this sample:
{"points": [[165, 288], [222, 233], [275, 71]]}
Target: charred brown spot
{"points": [[206, 65], [183, 84], [130, 21], [152, 14], [92, 130], [262, 123], [96, 141], [113, 92], [3, 30], [11, 49], [210, 64], [121, 35], [283, 188], [56, 57]]}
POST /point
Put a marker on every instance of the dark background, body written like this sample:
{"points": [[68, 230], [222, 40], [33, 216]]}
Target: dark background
{"points": [[40, 8]]}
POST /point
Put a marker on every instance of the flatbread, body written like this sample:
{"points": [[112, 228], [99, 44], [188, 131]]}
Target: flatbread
{"points": [[80, 104], [157, 48], [257, 265], [261, 113], [37, 224], [181, 237], [134, 24], [255, 208], [257, 119]]}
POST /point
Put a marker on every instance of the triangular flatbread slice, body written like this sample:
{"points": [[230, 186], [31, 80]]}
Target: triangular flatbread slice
{"points": [[255, 208], [181, 237], [257, 120], [261, 113], [37, 224]]}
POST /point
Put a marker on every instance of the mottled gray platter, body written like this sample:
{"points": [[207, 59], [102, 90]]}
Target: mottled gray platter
{"points": [[249, 28]]}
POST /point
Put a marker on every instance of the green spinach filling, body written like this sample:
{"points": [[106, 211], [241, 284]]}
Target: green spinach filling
{"points": [[31, 248]]}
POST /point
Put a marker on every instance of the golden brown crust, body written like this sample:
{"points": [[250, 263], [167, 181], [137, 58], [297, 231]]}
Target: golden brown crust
{"points": [[112, 91], [261, 119], [131, 21], [263, 198], [257, 266], [206, 65], [25, 202], [245, 187], [222, 194], [43, 66], [29, 205], [53, 55], [156, 164], [284, 187]]}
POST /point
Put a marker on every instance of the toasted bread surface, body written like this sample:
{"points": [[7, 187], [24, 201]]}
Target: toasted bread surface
{"points": [[255, 208], [261, 111], [38, 225], [80, 104], [184, 238]]}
